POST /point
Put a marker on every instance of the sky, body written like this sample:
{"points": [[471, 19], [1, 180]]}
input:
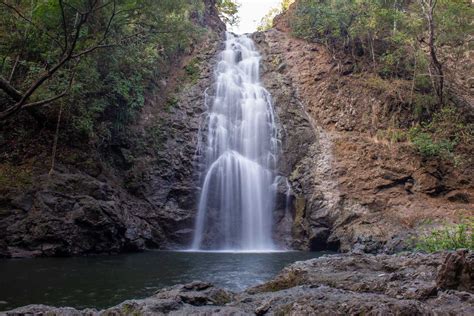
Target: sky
{"points": [[251, 12]]}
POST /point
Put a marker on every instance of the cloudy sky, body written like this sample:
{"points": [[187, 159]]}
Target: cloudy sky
{"points": [[251, 12]]}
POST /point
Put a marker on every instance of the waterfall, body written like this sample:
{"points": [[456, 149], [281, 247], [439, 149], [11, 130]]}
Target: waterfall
{"points": [[240, 156]]}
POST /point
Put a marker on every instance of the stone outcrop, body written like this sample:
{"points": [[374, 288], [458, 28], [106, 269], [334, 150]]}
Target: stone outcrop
{"points": [[407, 284], [72, 214], [457, 271]]}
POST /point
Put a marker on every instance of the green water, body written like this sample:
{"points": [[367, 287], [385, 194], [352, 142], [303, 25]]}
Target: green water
{"points": [[105, 281]]}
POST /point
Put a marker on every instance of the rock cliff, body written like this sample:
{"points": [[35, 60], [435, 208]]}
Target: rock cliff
{"points": [[340, 186], [350, 190], [137, 193]]}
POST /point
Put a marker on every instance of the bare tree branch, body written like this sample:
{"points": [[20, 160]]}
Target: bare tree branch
{"points": [[20, 106], [91, 49], [10, 90], [109, 23], [428, 7], [17, 59], [46, 101]]}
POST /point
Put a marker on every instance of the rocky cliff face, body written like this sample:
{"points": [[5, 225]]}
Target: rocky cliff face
{"points": [[138, 193], [349, 189], [340, 187]]}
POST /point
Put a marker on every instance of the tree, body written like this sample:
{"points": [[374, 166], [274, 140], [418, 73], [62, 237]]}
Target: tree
{"points": [[228, 10], [428, 7], [53, 48], [71, 44], [267, 21]]}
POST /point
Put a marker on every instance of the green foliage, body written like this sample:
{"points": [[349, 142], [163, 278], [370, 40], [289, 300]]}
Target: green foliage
{"points": [[425, 144], [285, 4], [448, 237], [442, 134], [422, 103], [384, 33], [143, 39], [228, 10], [193, 70], [266, 22], [171, 102], [454, 20], [323, 21], [389, 38], [14, 176]]}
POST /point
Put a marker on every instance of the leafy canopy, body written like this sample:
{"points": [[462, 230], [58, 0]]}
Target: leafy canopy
{"points": [[119, 49]]}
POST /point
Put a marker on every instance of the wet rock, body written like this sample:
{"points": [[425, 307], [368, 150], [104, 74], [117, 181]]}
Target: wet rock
{"points": [[389, 284], [196, 294]]}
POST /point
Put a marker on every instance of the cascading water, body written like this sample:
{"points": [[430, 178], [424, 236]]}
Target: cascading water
{"points": [[237, 196]]}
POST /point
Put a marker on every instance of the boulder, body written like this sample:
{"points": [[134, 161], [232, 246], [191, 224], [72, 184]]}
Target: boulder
{"points": [[457, 271]]}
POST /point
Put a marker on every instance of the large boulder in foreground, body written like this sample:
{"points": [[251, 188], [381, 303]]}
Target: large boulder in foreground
{"points": [[406, 284]]}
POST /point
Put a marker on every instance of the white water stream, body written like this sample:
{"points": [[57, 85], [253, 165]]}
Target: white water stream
{"points": [[241, 152]]}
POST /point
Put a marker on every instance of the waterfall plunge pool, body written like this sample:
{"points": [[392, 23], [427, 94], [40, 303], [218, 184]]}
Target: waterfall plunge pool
{"points": [[104, 281]]}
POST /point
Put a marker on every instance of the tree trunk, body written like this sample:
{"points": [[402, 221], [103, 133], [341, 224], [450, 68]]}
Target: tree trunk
{"points": [[55, 142], [428, 8]]}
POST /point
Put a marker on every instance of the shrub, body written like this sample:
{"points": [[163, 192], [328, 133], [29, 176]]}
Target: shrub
{"points": [[14, 177], [448, 237], [383, 36], [440, 137], [427, 147], [192, 70]]}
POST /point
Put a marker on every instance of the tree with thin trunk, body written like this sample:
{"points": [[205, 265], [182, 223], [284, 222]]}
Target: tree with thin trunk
{"points": [[428, 7]]}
